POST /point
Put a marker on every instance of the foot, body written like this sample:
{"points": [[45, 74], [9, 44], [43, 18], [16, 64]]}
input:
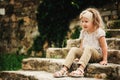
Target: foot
{"points": [[77, 73], [62, 73], [76, 60]]}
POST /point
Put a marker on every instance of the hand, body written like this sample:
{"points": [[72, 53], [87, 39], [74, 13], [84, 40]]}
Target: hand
{"points": [[103, 62]]}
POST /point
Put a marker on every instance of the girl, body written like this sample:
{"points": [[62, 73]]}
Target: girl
{"points": [[93, 46]]}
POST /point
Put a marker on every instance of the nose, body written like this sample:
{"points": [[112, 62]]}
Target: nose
{"points": [[83, 23]]}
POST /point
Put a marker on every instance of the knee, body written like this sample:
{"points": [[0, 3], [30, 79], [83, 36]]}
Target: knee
{"points": [[73, 49], [88, 48]]}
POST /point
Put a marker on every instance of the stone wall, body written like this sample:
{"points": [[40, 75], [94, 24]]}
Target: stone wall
{"points": [[18, 26], [110, 11]]}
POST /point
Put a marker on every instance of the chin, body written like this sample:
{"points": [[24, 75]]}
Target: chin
{"points": [[86, 29]]}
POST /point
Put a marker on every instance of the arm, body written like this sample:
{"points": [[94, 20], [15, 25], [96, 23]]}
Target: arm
{"points": [[103, 45], [81, 47]]}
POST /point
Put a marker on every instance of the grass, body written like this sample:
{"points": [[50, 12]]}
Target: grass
{"points": [[10, 61]]}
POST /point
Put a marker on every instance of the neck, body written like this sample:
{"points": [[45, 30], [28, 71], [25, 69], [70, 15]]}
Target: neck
{"points": [[92, 30]]}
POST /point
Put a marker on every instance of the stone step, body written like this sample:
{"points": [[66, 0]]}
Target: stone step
{"points": [[113, 24], [93, 70], [113, 55], [113, 43], [35, 75], [45, 64], [114, 33], [112, 29]]}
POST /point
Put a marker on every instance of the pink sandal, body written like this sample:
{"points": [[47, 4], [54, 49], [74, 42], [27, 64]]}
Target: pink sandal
{"points": [[77, 73], [59, 74]]}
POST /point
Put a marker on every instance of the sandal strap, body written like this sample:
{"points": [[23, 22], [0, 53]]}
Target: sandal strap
{"points": [[81, 70], [77, 73], [60, 74], [63, 69]]}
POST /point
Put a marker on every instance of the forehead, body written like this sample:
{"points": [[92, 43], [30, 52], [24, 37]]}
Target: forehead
{"points": [[84, 19]]}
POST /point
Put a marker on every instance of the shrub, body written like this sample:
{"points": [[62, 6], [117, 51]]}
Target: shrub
{"points": [[10, 61]]}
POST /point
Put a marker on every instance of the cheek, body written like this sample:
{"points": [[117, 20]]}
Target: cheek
{"points": [[91, 24]]}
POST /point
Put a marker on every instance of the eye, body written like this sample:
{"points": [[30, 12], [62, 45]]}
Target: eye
{"points": [[86, 21], [82, 21]]}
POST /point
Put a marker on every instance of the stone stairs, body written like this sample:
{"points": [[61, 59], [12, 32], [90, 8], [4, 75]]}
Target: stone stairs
{"points": [[51, 65], [35, 75], [43, 68], [114, 32], [113, 43]]}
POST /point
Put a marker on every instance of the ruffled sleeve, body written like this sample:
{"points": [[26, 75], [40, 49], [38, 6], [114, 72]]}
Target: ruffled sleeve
{"points": [[101, 33]]}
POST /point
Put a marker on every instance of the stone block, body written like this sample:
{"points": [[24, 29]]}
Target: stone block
{"points": [[113, 33], [114, 56], [42, 64], [54, 53], [113, 43], [36, 75], [57, 52], [102, 71], [113, 24], [65, 52], [73, 43], [94, 70], [15, 76]]}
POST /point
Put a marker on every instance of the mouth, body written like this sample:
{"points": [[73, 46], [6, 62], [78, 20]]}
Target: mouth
{"points": [[85, 27]]}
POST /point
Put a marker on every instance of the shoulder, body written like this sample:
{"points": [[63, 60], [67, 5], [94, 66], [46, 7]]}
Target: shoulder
{"points": [[83, 31], [100, 32]]}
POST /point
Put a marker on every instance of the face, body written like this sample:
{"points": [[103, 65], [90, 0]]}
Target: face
{"points": [[87, 24]]}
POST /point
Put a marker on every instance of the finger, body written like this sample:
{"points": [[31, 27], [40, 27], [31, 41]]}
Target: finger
{"points": [[104, 63], [100, 63]]}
